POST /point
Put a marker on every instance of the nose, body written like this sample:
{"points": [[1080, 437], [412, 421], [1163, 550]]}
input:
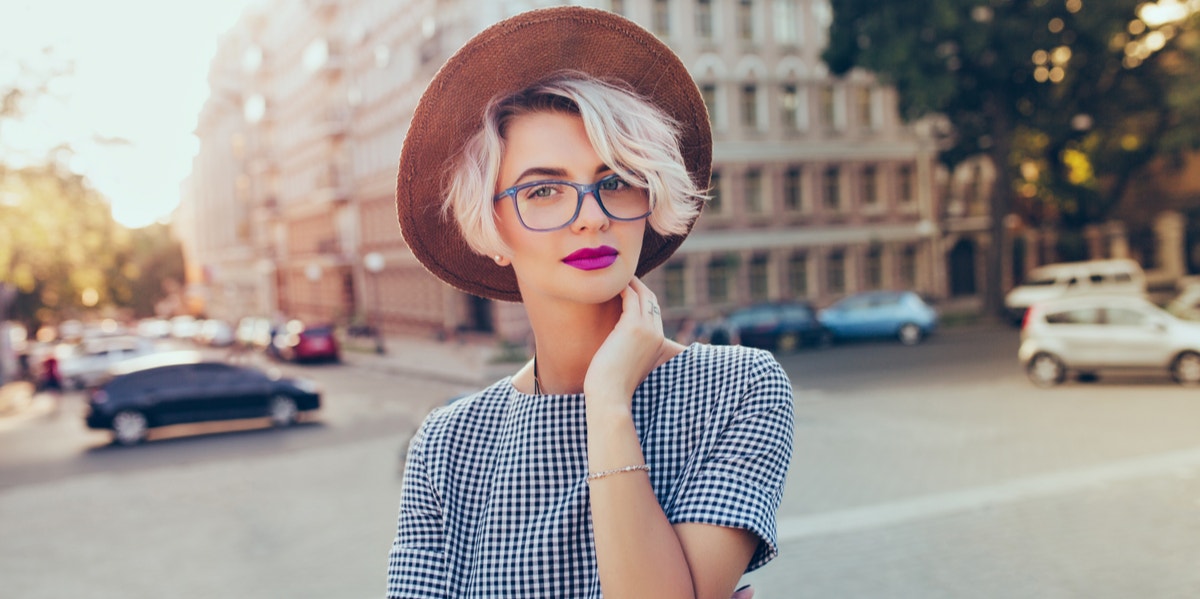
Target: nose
{"points": [[591, 215]]}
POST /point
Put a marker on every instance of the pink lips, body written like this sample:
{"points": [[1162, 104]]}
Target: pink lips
{"points": [[592, 258]]}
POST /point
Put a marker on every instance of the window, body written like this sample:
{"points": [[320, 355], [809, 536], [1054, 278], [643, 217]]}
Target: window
{"points": [[708, 92], [866, 112], [750, 106], [715, 204], [1125, 317], [745, 20], [754, 191], [874, 268], [797, 270], [759, 277], [904, 185], [833, 189], [789, 104], [908, 267], [720, 278], [704, 19], [793, 189], [835, 272], [674, 288], [1076, 316], [827, 107], [662, 18], [975, 193], [787, 22], [870, 186]]}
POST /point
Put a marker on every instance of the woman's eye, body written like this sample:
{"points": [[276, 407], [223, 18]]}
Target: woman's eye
{"points": [[540, 192], [613, 184]]}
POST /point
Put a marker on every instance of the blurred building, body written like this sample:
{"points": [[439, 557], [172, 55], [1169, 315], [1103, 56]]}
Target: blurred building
{"points": [[819, 188]]}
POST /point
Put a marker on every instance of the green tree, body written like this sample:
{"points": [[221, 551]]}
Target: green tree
{"points": [[58, 240], [1067, 99]]}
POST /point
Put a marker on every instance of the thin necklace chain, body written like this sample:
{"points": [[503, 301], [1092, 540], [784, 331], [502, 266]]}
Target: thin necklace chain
{"points": [[537, 384]]}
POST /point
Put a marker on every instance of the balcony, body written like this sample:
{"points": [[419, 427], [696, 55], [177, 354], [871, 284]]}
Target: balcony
{"points": [[333, 124], [329, 186]]}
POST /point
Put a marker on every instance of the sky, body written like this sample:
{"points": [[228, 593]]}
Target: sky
{"points": [[129, 107]]}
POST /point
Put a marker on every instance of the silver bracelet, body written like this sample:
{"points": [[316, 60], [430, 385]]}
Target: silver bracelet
{"points": [[596, 475]]}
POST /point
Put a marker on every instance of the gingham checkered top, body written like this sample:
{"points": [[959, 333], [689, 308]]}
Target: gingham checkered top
{"points": [[494, 501]]}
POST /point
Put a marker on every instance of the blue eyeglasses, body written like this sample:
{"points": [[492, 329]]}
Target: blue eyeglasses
{"points": [[547, 205]]}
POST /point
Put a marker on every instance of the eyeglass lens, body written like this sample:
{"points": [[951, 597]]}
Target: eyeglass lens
{"points": [[552, 204]]}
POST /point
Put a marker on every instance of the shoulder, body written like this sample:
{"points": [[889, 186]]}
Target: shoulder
{"points": [[467, 414], [730, 362]]}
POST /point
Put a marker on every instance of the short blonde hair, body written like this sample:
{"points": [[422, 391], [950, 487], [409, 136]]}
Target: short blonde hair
{"points": [[633, 137]]}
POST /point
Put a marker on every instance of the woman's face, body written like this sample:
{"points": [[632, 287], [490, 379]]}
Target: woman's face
{"points": [[592, 259]]}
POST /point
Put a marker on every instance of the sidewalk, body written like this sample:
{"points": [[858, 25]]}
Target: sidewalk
{"points": [[471, 361], [14, 397]]}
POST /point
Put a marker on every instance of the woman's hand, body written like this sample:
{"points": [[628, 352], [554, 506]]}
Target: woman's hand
{"points": [[631, 350]]}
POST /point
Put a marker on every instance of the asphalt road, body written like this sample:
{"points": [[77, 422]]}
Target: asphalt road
{"points": [[928, 471]]}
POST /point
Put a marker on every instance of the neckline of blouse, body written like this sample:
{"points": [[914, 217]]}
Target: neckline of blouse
{"points": [[512, 389]]}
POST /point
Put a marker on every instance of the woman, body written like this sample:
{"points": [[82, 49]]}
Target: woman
{"points": [[554, 159]]}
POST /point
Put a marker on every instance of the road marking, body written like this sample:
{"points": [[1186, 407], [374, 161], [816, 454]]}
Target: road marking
{"points": [[942, 504]]}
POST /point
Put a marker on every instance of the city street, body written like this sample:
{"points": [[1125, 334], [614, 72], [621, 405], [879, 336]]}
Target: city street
{"points": [[918, 472]]}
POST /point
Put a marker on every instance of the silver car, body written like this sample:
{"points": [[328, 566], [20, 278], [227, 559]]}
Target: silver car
{"points": [[1084, 335]]}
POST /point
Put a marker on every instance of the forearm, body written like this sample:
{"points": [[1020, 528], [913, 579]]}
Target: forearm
{"points": [[637, 551]]}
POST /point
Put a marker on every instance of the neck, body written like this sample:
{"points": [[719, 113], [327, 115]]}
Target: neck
{"points": [[566, 336]]}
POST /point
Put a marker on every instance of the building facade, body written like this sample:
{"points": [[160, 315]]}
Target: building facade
{"points": [[819, 189]]}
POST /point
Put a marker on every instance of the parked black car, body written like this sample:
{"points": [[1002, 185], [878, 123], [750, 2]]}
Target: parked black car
{"points": [[182, 387], [777, 326]]}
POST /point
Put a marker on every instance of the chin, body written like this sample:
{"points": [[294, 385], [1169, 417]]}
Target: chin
{"points": [[597, 287]]}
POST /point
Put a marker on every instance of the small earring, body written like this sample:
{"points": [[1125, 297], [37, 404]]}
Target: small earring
{"points": [[497, 258]]}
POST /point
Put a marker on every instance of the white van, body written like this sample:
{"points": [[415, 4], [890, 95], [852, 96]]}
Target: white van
{"points": [[1052, 281]]}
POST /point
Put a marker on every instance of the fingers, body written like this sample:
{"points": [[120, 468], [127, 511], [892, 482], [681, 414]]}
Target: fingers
{"points": [[647, 298]]}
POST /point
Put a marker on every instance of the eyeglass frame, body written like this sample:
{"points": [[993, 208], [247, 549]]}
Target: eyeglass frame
{"points": [[581, 190]]}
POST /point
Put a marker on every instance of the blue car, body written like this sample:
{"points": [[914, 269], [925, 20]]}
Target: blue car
{"points": [[873, 314]]}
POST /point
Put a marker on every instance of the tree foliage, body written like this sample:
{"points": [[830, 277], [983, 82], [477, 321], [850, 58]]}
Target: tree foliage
{"points": [[58, 240], [1070, 99]]}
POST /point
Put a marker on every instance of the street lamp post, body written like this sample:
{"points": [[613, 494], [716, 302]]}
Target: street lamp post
{"points": [[313, 273], [374, 264]]}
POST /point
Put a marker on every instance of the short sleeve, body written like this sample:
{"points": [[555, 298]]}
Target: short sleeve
{"points": [[416, 564], [739, 483]]}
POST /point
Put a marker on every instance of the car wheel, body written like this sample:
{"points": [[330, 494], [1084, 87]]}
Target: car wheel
{"points": [[787, 342], [283, 411], [1046, 370], [130, 427], [909, 334], [1186, 369]]}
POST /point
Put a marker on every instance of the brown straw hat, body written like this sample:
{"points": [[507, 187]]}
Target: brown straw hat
{"points": [[508, 57]]}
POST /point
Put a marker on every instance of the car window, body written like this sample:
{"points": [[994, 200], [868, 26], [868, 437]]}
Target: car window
{"points": [[1041, 282], [748, 318], [1096, 279], [1072, 282], [853, 303], [797, 313], [169, 376], [1074, 316], [1123, 277], [883, 299], [1125, 317]]}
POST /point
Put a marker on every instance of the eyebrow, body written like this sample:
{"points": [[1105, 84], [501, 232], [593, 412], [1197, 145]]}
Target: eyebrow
{"points": [[545, 171]]}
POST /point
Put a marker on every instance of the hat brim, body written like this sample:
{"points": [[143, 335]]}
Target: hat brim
{"points": [[508, 57]]}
